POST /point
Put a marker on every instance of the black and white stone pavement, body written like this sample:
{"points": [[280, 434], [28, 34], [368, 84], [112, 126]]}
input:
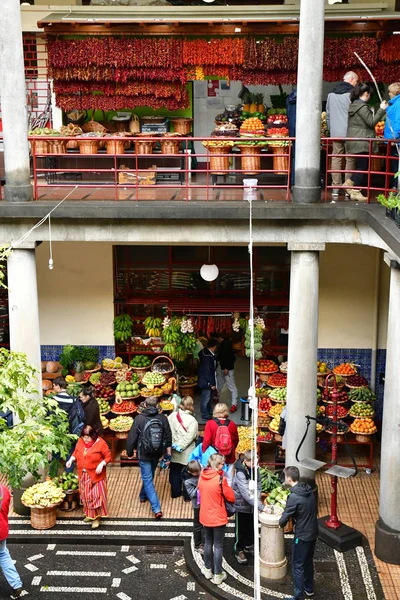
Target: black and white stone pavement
{"points": [[146, 560]]}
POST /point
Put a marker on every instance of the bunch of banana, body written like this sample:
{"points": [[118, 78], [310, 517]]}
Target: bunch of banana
{"points": [[362, 394], [189, 341], [123, 328], [153, 326]]}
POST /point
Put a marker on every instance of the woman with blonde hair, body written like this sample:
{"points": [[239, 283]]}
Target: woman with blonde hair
{"points": [[184, 429], [221, 433], [213, 491]]}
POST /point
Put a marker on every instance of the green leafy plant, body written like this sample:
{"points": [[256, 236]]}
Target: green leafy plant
{"points": [[391, 201], [5, 252], [42, 428], [77, 354]]}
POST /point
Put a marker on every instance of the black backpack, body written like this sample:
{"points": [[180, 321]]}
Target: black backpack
{"points": [[152, 441], [77, 418]]}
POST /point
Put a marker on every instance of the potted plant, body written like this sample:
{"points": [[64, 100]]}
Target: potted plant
{"points": [[39, 430], [391, 203]]}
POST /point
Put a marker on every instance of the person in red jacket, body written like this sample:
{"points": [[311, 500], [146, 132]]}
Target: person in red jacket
{"points": [[6, 564], [221, 433], [92, 455], [213, 490]]}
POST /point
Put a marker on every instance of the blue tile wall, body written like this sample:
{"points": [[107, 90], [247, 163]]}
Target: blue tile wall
{"points": [[53, 352]]}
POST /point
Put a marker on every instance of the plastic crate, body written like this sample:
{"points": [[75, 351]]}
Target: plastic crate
{"points": [[160, 127]]}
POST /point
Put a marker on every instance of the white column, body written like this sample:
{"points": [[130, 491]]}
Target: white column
{"points": [[307, 187], [23, 304], [13, 105], [387, 533], [302, 352]]}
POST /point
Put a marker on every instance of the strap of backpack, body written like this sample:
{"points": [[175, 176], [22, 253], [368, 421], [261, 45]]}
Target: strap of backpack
{"points": [[218, 422], [179, 418]]}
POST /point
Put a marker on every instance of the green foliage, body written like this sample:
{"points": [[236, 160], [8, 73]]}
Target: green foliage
{"points": [[72, 354], [390, 201], [43, 428], [5, 252]]}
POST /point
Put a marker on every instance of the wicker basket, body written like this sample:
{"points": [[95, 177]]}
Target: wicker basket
{"points": [[115, 145], [40, 146], [251, 159], [43, 517], [144, 147], [121, 435], [72, 145], [281, 163], [97, 368], [187, 390], [140, 371], [88, 146], [57, 146], [134, 124], [94, 127], [165, 359], [363, 438], [219, 165], [170, 146], [182, 125]]}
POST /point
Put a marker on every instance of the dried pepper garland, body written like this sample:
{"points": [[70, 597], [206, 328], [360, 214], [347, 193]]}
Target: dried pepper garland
{"points": [[86, 102], [390, 50], [215, 51]]}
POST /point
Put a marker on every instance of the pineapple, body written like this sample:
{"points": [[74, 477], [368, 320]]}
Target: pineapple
{"points": [[246, 102], [79, 369], [253, 105], [260, 103]]}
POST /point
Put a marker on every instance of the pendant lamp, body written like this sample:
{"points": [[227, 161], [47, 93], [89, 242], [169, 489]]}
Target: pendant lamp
{"points": [[208, 271]]}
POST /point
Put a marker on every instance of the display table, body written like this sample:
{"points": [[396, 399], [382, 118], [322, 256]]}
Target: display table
{"points": [[109, 437]]}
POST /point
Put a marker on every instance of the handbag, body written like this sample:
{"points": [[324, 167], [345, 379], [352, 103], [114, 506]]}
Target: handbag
{"points": [[230, 509]]}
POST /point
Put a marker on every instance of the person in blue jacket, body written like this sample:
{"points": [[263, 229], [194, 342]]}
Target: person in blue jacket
{"points": [[392, 128], [291, 107], [207, 380]]}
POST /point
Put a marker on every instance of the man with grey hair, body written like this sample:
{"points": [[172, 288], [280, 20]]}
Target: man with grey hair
{"points": [[337, 109]]}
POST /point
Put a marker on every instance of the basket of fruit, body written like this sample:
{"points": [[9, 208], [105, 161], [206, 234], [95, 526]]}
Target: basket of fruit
{"points": [[164, 365], [277, 380], [341, 398], [117, 364], [140, 364], [187, 385], [264, 405], [104, 406], [147, 392], [94, 369], [274, 428], [43, 499], [68, 482], [345, 370], [275, 411], [356, 381], [126, 391], [341, 411], [360, 410], [104, 422], [246, 440], [279, 395], [152, 379], [363, 429], [341, 428], [124, 407], [104, 391], [265, 438], [219, 155], [121, 426], [362, 394], [166, 406], [266, 367]]}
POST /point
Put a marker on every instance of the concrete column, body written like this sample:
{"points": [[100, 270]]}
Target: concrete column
{"points": [[13, 105], [387, 531], [23, 304], [307, 187], [302, 353], [273, 563]]}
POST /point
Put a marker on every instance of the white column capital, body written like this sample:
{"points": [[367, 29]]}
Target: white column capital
{"points": [[25, 246], [391, 261], [306, 246]]}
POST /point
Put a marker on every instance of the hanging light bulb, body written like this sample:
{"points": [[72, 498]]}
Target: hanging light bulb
{"points": [[208, 1], [51, 264], [208, 271]]}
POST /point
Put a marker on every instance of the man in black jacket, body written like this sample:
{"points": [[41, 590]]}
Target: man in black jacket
{"points": [[225, 372], [207, 380], [151, 436], [302, 507]]}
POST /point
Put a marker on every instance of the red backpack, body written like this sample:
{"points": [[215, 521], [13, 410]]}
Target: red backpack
{"points": [[223, 440]]}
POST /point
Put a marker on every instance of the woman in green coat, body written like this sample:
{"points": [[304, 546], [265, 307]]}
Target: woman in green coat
{"points": [[361, 124]]}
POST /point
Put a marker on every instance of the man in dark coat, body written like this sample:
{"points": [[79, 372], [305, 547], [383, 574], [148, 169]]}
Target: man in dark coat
{"points": [[207, 380], [226, 359], [302, 507], [148, 460]]}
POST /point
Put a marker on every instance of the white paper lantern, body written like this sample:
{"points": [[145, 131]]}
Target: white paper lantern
{"points": [[209, 272]]}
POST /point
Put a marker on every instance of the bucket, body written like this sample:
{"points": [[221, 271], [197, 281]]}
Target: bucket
{"points": [[250, 189], [246, 410]]}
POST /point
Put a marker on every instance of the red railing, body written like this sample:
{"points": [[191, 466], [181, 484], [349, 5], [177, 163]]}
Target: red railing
{"points": [[379, 175], [134, 175]]}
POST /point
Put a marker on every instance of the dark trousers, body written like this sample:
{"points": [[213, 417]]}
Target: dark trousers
{"points": [[360, 179], [214, 548], [175, 480], [198, 529], [303, 567], [244, 531], [206, 407]]}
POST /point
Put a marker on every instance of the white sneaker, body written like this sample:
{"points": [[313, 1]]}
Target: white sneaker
{"points": [[220, 578], [207, 573]]}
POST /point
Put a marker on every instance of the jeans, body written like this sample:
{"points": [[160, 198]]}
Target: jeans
{"points": [[148, 491], [198, 529], [214, 548], [244, 531], [229, 380], [337, 163], [303, 567], [206, 410], [8, 568]]}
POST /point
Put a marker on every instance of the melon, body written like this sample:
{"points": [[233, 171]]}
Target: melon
{"points": [[52, 366]]}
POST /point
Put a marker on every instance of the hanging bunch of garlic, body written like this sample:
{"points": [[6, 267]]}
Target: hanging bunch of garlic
{"points": [[166, 323], [187, 325], [259, 321]]}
